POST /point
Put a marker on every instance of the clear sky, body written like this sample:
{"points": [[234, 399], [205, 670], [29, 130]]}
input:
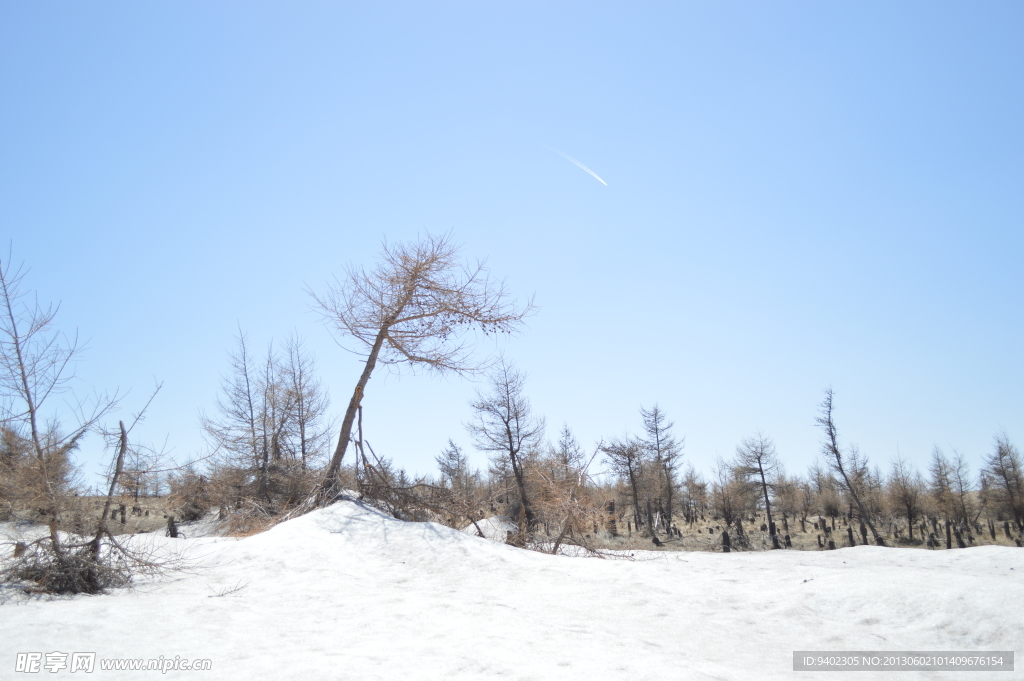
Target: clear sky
{"points": [[798, 195]]}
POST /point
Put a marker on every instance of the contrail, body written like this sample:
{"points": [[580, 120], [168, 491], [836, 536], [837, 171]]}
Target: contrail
{"points": [[567, 156]]}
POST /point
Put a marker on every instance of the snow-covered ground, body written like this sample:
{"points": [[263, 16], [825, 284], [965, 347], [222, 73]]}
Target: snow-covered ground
{"points": [[495, 528], [347, 593]]}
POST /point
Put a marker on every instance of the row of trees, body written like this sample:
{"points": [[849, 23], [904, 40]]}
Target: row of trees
{"points": [[414, 309], [269, 433], [423, 307], [645, 489]]}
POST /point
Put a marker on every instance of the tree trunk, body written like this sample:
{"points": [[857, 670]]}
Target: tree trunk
{"points": [[517, 471], [101, 529], [636, 500], [327, 487]]}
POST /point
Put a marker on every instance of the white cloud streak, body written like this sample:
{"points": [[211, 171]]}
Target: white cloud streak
{"points": [[567, 156]]}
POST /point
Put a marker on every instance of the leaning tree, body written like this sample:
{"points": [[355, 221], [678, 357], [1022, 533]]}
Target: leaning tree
{"points": [[850, 466], [419, 307]]}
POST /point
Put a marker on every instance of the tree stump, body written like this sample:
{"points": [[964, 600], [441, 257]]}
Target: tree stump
{"points": [[821, 544], [831, 545], [788, 541], [725, 542], [959, 539]]}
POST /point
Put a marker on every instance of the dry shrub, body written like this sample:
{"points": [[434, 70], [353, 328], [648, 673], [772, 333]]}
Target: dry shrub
{"points": [[74, 570], [249, 520]]}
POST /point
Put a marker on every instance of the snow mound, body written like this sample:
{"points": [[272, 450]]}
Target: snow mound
{"points": [[495, 528], [348, 592]]}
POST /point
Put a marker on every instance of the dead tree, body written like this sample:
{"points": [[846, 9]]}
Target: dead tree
{"points": [[845, 466], [36, 366], [414, 309], [627, 458], [665, 452], [1004, 470], [905, 491], [756, 458], [505, 425]]}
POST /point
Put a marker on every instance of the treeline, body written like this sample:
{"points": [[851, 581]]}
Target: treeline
{"points": [[556, 491], [552, 490], [275, 450]]}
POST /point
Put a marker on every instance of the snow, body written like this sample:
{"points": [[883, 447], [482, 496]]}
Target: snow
{"points": [[495, 528], [348, 593]]}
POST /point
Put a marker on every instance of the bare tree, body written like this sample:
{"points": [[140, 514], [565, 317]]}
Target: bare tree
{"points": [[665, 454], [730, 495], [961, 488], [850, 466], [695, 494], [755, 458], [940, 485], [905, 492], [568, 453], [36, 365], [505, 425], [454, 467], [415, 308], [236, 430], [1004, 471], [269, 426], [787, 497], [627, 457], [564, 504], [309, 432]]}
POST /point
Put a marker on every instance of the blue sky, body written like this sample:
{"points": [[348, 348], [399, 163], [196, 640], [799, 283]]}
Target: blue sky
{"points": [[799, 195]]}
